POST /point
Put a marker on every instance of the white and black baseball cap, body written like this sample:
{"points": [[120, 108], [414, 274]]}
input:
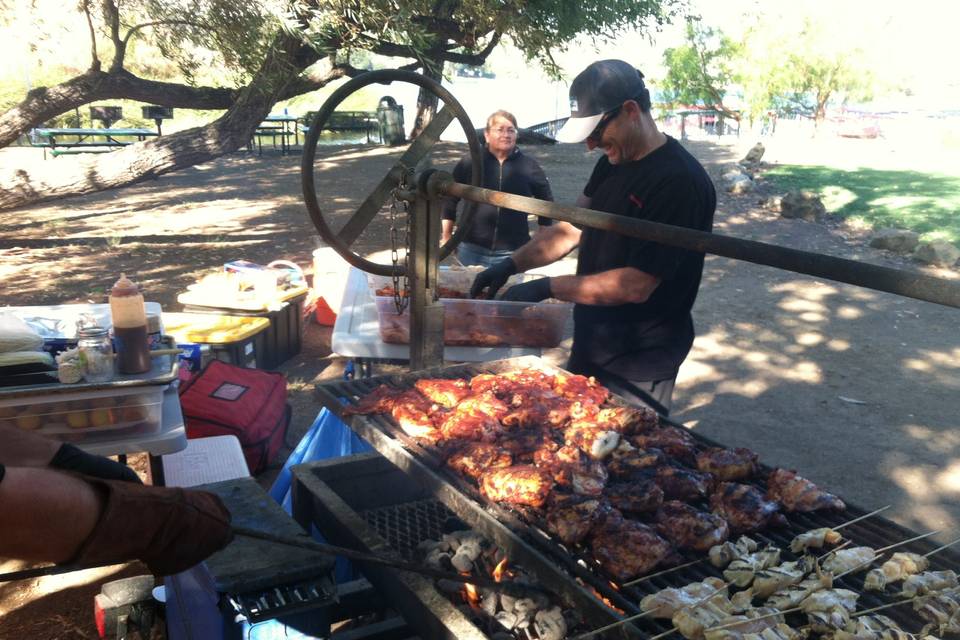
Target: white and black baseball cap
{"points": [[601, 87]]}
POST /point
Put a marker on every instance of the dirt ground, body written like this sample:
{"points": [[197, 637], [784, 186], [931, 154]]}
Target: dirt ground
{"points": [[858, 390]]}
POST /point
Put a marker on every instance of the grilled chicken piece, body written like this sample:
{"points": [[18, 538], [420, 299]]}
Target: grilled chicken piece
{"points": [[728, 464], [460, 425], [474, 458], [680, 483], [735, 627], [490, 382], [691, 622], [523, 444], [779, 632], [572, 520], [741, 571], [744, 507], [928, 582], [941, 610], [768, 581], [626, 460], [416, 415], [897, 568], [689, 528], [519, 484], [577, 387], [791, 597], [636, 497], [446, 392], [627, 549], [796, 493], [814, 539], [872, 627], [828, 610], [531, 408], [850, 559], [486, 403], [572, 469], [671, 440], [529, 378], [666, 602], [595, 442], [723, 554], [553, 455], [377, 401]]}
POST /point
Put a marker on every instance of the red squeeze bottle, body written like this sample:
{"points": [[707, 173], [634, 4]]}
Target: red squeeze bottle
{"points": [[129, 327]]}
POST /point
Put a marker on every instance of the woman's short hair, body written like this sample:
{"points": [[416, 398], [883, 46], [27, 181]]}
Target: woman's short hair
{"points": [[501, 114]]}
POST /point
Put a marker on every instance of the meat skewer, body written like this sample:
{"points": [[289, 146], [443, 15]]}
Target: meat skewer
{"points": [[805, 540]]}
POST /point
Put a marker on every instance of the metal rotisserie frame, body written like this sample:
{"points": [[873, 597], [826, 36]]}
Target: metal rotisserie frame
{"points": [[560, 567]]}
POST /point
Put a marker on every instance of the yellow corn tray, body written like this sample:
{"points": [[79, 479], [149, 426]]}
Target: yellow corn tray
{"points": [[206, 328]]}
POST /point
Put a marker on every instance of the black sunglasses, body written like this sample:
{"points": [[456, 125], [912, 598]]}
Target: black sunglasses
{"points": [[597, 132]]}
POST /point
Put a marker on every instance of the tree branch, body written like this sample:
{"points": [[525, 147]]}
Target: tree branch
{"points": [[190, 23], [94, 58]]}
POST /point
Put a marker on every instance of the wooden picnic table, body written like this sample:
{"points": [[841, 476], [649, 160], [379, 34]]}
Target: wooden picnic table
{"points": [[281, 125], [79, 140]]}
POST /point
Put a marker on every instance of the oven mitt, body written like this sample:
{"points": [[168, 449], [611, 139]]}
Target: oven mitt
{"points": [[493, 278], [533, 291], [71, 458], [167, 528]]}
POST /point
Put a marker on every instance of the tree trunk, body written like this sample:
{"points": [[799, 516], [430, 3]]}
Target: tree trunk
{"points": [[426, 100], [167, 153], [44, 103]]}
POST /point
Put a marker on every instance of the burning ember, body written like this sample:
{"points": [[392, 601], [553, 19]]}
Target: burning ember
{"points": [[499, 570], [605, 601], [535, 617]]}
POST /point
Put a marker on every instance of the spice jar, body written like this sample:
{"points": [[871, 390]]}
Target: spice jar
{"points": [[96, 354]]}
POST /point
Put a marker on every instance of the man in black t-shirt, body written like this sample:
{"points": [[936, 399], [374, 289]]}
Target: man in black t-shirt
{"points": [[632, 322]]}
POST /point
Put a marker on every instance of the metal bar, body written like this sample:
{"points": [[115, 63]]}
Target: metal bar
{"points": [[903, 283], [426, 312], [371, 205]]}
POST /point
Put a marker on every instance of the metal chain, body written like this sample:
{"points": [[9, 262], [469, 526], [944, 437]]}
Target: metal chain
{"points": [[401, 297]]}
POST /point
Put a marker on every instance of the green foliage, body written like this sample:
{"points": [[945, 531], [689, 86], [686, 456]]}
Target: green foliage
{"points": [[700, 71], [923, 202]]}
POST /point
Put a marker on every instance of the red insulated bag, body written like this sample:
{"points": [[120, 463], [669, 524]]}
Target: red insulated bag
{"points": [[248, 403]]}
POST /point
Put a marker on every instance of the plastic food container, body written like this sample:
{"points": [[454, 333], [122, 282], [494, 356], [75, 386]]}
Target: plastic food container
{"points": [[477, 323], [232, 339], [83, 416]]}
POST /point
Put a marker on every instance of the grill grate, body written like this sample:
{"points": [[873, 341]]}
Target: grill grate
{"points": [[875, 531], [406, 525]]}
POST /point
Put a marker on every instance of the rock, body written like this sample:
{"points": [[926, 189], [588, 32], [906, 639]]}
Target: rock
{"points": [[742, 184], [753, 156], [899, 240], [733, 166], [937, 252], [805, 205], [773, 203], [735, 174]]}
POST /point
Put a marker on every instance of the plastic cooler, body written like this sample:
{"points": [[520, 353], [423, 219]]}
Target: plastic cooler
{"points": [[281, 340], [87, 415], [480, 323], [231, 339]]}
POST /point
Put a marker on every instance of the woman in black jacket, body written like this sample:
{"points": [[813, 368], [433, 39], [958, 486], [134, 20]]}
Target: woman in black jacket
{"points": [[497, 232]]}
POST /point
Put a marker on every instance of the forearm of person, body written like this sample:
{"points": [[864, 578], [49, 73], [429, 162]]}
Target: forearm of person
{"points": [[25, 449], [608, 288], [446, 230], [45, 515], [547, 246]]}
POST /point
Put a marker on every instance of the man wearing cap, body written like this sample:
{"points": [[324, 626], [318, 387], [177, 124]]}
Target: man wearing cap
{"points": [[632, 321]]}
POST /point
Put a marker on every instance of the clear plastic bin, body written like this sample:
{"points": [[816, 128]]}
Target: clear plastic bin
{"points": [[477, 323], [82, 416]]}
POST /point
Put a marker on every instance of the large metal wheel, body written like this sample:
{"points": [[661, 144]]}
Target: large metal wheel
{"points": [[342, 240]]}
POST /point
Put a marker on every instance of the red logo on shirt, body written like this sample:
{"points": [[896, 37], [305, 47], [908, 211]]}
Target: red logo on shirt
{"points": [[636, 201]]}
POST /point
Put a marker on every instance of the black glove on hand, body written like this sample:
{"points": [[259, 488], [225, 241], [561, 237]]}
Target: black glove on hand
{"points": [[492, 278], [70, 458], [533, 291]]}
